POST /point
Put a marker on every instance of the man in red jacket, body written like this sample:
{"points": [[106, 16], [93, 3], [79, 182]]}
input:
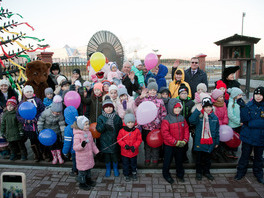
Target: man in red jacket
{"points": [[175, 133]]}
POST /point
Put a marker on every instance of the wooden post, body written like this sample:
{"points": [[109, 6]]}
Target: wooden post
{"points": [[257, 63], [223, 68], [247, 90]]}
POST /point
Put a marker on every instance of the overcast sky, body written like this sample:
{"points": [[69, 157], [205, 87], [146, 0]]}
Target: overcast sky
{"points": [[177, 28]]}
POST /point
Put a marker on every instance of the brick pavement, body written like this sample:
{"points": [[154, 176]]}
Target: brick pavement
{"points": [[56, 183]]}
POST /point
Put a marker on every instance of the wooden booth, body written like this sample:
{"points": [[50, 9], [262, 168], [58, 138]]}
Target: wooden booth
{"points": [[238, 48]]}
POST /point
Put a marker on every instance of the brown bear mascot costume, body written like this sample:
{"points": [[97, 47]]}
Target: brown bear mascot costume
{"points": [[37, 73]]}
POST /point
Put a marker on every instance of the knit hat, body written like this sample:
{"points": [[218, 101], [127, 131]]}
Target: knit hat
{"points": [[108, 103], [64, 82], [12, 101], [55, 66], [234, 92], [129, 116], [87, 84], [56, 105], [230, 70], [113, 87], [219, 84], [76, 71], [207, 102], [113, 64], [152, 84], [77, 83], [137, 63], [178, 104], [81, 121], [98, 86], [107, 82], [60, 79], [122, 90], [201, 86], [203, 95], [183, 88], [216, 93], [4, 82], [165, 89], [28, 88], [48, 90], [116, 81], [259, 90]]}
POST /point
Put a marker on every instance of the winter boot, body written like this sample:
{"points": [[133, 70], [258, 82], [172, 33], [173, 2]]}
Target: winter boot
{"points": [[84, 186], [54, 154], [90, 182], [108, 169], [61, 161], [13, 157], [115, 168], [47, 154], [37, 153]]}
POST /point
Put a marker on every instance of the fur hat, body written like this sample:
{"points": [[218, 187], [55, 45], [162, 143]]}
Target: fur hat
{"points": [[76, 71], [219, 84], [137, 63], [230, 70], [87, 84], [48, 90], [152, 84], [122, 90], [77, 83], [56, 105], [183, 88], [234, 91], [4, 82], [259, 90], [81, 121], [201, 86], [98, 86], [129, 116], [28, 88], [207, 102], [216, 93], [113, 87], [12, 101], [108, 103], [60, 79]]}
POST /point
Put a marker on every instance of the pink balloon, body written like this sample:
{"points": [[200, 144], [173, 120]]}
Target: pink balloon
{"points": [[151, 60], [146, 112], [225, 133], [72, 98]]}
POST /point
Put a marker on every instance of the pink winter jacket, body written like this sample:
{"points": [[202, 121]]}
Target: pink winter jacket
{"points": [[162, 112], [112, 75], [130, 105], [84, 156], [221, 113]]}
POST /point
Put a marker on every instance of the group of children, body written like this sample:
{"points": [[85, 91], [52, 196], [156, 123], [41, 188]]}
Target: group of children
{"points": [[108, 104]]}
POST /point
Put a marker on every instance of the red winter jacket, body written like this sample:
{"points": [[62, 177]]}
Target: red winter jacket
{"points": [[132, 138]]}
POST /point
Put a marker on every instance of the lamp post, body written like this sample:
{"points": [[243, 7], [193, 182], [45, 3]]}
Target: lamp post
{"points": [[243, 15]]}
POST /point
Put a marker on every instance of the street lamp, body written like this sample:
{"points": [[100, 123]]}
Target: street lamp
{"points": [[243, 15]]}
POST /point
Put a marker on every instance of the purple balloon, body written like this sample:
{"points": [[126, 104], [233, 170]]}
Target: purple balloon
{"points": [[151, 60], [72, 98], [146, 112], [225, 133]]}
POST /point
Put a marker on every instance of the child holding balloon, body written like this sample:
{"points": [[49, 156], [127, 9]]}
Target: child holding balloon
{"points": [[85, 148], [52, 118], [129, 138], [12, 130], [206, 137], [30, 125], [150, 94], [252, 135]]}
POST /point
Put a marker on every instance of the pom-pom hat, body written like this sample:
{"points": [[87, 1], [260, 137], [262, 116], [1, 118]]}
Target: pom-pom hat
{"points": [[56, 105], [12, 101]]}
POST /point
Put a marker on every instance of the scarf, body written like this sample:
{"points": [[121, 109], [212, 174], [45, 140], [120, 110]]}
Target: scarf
{"points": [[110, 117], [129, 129], [124, 103], [206, 137], [219, 104]]}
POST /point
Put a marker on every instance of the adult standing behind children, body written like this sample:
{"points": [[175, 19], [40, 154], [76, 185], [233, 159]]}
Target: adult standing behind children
{"points": [[130, 80], [54, 73], [194, 75]]}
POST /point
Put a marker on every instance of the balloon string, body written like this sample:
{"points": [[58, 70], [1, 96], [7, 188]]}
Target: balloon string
{"points": [[114, 143]]}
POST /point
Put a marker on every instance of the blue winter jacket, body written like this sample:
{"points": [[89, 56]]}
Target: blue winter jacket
{"points": [[252, 117], [160, 77], [70, 114], [197, 120]]}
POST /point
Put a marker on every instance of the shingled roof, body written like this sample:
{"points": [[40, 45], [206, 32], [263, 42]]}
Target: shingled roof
{"points": [[237, 37]]}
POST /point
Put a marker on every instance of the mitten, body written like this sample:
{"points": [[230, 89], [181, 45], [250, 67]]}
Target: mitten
{"points": [[133, 149], [127, 147], [83, 143], [241, 102]]}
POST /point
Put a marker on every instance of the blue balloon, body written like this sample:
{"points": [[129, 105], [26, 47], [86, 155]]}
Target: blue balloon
{"points": [[47, 137], [27, 110]]}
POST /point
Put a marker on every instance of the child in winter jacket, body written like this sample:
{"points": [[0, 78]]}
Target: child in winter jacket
{"points": [[114, 95], [129, 138], [109, 124], [175, 133], [85, 148], [125, 102], [70, 114], [83, 109], [30, 126], [52, 118], [150, 94], [165, 96], [220, 106], [201, 88], [114, 72], [222, 86], [12, 130], [252, 135], [206, 137], [49, 96]]}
